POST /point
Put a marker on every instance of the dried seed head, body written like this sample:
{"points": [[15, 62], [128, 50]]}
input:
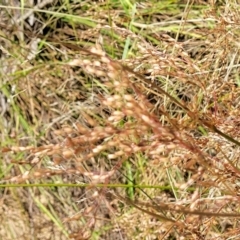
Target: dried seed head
{"points": [[35, 160], [67, 153], [97, 51], [105, 59], [75, 62], [81, 129], [112, 75], [100, 73], [130, 105], [98, 149], [128, 97], [96, 63], [68, 130], [86, 62]]}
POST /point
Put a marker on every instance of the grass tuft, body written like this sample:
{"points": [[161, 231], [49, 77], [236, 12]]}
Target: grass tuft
{"points": [[119, 120]]}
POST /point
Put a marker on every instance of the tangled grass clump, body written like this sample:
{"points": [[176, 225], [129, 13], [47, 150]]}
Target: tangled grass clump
{"points": [[141, 120]]}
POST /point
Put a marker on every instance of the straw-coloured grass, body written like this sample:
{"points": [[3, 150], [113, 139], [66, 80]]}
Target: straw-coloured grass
{"points": [[120, 120]]}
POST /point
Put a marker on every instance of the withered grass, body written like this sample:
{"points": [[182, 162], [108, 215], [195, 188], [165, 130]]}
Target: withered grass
{"points": [[137, 104]]}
